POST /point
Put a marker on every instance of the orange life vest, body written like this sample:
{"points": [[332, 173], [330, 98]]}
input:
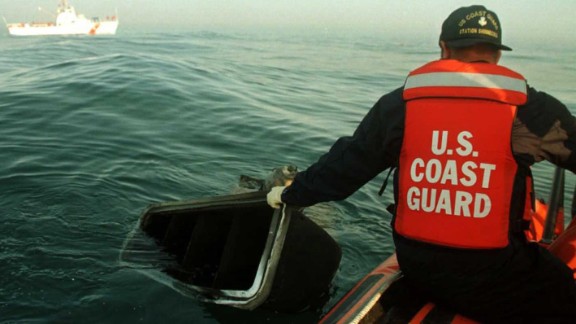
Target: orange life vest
{"points": [[457, 170]]}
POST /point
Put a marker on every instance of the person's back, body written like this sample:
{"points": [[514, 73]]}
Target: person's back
{"points": [[491, 274], [463, 133], [479, 263]]}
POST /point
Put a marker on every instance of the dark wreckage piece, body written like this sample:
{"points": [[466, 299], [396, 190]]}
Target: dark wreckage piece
{"points": [[236, 250]]}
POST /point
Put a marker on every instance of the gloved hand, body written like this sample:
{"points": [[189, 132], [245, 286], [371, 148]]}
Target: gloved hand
{"points": [[274, 197]]}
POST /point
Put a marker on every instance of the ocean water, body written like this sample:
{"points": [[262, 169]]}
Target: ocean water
{"points": [[93, 130]]}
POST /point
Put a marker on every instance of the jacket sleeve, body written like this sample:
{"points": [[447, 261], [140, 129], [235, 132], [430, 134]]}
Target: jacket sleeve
{"points": [[353, 160], [545, 130]]}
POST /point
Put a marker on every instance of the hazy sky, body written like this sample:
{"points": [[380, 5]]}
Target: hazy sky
{"points": [[550, 19]]}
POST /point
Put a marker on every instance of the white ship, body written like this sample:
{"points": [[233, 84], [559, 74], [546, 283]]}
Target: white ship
{"points": [[68, 22]]}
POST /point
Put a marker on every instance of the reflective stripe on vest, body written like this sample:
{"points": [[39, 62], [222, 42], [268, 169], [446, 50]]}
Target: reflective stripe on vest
{"points": [[454, 79], [456, 165]]}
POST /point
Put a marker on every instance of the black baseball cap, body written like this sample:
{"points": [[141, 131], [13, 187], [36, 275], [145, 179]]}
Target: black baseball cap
{"points": [[471, 25]]}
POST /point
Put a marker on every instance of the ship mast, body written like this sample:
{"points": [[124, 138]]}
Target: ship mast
{"points": [[63, 5]]}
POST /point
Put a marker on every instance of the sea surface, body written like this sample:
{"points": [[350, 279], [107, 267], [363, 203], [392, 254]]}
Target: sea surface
{"points": [[94, 129]]}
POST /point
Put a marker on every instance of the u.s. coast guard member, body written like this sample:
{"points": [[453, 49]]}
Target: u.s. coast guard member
{"points": [[462, 132]]}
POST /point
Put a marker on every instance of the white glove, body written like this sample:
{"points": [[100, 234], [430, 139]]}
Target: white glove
{"points": [[274, 197]]}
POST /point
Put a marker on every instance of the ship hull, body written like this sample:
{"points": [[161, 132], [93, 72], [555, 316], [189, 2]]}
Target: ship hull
{"points": [[92, 28]]}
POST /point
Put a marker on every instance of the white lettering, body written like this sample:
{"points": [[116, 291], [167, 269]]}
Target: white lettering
{"points": [[450, 173], [428, 202], [433, 171], [456, 203], [444, 203], [439, 150], [470, 176], [467, 174], [482, 205], [462, 203], [488, 168], [465, 148], [414, 174], [454, 175], [413, 201]]}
